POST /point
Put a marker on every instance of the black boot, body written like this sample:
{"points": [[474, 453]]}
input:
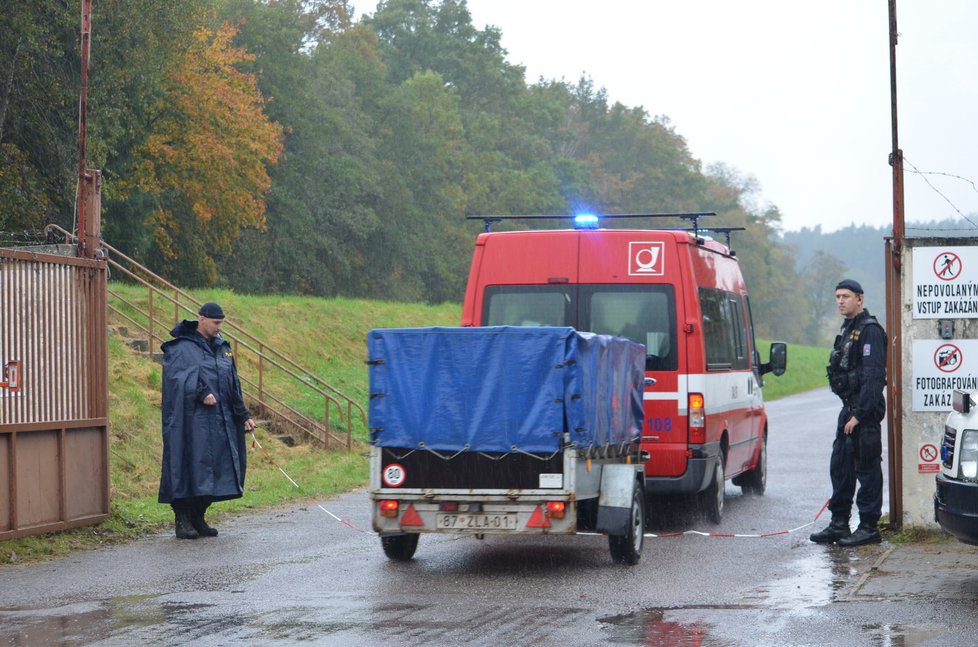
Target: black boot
{"points": [[837, 530], [866, 533], [197, 518], [182, 522]]}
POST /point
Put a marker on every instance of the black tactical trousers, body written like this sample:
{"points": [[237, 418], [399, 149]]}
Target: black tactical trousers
{"points": [[857, 457]]}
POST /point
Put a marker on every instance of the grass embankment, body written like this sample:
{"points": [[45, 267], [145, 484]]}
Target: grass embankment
{"points": [[328, 336], [806, 370]]}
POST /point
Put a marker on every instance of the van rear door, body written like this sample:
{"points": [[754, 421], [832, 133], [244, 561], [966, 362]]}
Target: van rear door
{"points": [[632, 286]]}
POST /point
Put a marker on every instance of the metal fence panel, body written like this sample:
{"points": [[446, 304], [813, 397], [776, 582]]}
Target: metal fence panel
{"points": [[54, 402]]}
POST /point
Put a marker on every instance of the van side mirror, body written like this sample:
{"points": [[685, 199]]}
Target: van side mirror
{"points": [[779, 359]]}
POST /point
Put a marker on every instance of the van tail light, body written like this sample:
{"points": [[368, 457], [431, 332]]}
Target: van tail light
{"points": [[697, 419]]}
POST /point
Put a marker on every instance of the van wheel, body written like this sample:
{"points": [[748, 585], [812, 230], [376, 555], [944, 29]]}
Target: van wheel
{"points": [[400, 547], [755, 481], [710, 500], [627, 548]]}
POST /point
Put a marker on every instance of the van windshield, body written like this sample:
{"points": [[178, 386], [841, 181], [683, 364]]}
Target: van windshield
{"points": [[645, 314]]}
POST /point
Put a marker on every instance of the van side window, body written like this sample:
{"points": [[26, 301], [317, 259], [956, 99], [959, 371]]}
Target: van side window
{"points": [[753, 340], [527, 305], [724, 330], [739, 327]]}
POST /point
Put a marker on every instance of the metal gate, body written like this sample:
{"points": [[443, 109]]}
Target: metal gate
{"points": [[54, 443]]}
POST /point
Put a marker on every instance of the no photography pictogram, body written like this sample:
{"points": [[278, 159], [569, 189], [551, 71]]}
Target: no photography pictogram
{"points": [[948, 358], [947, 266]]}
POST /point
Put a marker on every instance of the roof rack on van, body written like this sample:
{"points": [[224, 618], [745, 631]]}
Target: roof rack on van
{"points": [[726, 233], [590, 221]]}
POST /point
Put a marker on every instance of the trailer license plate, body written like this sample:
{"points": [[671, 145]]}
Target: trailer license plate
{"points": [[477, 521]]}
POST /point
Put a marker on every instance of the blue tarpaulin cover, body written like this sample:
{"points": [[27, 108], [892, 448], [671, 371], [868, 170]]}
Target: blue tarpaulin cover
{"points": [[503, 388]]}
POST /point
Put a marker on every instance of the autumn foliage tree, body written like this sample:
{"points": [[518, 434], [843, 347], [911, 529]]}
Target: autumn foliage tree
{"points": [[205, 163]]}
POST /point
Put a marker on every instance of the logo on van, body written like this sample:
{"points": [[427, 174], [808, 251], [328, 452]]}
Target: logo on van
{"points": [[646, 259]]}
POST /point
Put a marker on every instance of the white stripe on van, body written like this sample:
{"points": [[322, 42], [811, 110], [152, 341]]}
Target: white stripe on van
{"points": [[660, 395], [716, 389]]}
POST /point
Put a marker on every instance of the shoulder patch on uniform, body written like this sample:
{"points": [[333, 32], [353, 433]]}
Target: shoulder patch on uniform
{"points": [[867, 349]]}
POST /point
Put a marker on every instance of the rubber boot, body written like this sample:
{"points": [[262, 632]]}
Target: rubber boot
{"points": [[866, 533], [182, 522], [197, 518], [837, 530]]}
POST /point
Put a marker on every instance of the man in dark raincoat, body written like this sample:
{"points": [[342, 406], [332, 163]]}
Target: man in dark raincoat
{"points": [[204, 420]]}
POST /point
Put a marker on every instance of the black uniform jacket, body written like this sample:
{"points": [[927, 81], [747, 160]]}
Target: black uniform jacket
{"points": [[869, 353]]}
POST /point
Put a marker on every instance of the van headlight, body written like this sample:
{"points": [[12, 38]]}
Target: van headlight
{"points": [[968, 454]]}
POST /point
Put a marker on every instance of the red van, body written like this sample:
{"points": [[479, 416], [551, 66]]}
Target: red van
{"points": [[680, 294]]}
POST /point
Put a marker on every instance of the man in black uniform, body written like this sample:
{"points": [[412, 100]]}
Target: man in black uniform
{"points": [[204, 420], [857, 374]]}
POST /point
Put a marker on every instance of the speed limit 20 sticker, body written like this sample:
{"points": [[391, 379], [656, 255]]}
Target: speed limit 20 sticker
{"points": [[393, 475]]}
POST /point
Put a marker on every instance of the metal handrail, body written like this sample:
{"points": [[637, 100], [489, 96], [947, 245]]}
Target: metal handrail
{"points": [[264, 354]]}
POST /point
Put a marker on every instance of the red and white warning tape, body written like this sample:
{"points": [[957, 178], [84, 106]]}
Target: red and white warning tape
{"points": [[729, 534], [255, 443]]}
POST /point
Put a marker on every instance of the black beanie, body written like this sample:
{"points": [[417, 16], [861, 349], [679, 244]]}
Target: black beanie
{"points": [[211, 310], [851, 285]]}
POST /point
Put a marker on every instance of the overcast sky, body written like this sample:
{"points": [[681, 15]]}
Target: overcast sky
{"points": [[793, 93]]}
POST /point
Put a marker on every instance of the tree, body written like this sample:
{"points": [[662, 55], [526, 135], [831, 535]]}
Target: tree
{"points": [[819, 279], [429, 169], [38, 113], [206, 160], [325, 85]]}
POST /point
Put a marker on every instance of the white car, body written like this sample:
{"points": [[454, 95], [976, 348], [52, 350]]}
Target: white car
{"points": [[956, 498]]}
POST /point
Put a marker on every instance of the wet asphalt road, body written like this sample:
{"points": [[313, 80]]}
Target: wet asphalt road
{"points": [[297, 576]]}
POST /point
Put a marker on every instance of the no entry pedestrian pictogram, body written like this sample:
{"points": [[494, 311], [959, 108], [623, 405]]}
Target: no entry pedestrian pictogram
{"points": [[947, 266], [948, 358]]}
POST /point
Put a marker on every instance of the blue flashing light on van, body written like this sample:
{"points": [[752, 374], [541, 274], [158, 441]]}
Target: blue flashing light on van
{"points": [[585, 221]]}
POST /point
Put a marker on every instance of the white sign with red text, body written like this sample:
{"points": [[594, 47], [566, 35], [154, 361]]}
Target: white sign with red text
{"points": [[939, 367], [945, 282]]}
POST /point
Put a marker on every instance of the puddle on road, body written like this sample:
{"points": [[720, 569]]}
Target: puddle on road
{"points": [[815, 580], [651, 629], [87, 622]]}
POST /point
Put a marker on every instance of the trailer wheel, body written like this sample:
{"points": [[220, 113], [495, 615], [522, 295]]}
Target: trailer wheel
{"points": [[755, 481], [710, 500], [627, 548], [400, 547]]}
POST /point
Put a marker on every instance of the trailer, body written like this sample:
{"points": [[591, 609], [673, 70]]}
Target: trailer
{"points": [[506, 430]]}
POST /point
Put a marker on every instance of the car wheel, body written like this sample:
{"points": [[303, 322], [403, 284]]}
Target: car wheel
{"points": [[755, 481], [711, 499], [400, 547], [627, 548]]}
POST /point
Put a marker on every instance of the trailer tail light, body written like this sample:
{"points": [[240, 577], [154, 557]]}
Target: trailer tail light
{"points": [[388, 508], [448, 506], [556, 509], [697, 419]]}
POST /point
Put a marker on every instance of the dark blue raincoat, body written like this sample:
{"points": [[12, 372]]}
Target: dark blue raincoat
{"points": [[204, 452]]}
